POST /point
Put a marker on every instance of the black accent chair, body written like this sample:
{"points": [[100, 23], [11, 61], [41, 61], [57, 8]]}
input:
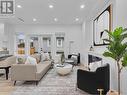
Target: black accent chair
{"points": [[78, 57], [91, 81]]}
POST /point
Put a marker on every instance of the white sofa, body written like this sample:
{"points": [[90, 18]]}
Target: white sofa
{"points": [[6, 64], [29, 72]]}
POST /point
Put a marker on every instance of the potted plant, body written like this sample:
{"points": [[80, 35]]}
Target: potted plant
{"points": [[62, 58], [117, 49]]}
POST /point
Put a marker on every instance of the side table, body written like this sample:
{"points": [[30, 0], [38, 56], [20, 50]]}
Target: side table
{"points": [[6, 70]]}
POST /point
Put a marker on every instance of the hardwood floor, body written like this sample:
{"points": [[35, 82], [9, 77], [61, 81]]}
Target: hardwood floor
{"points": [[6, 86]]}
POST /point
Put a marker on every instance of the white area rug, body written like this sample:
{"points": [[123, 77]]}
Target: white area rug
{"points": [[50, 84]]}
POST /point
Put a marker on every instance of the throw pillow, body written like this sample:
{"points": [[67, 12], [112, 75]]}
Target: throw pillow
{"points": [[37, 57], [47, 57], [21, 58], [43, 56], [20, 61], [93, 66], [57, 58], [74, 57], [31, 60]]}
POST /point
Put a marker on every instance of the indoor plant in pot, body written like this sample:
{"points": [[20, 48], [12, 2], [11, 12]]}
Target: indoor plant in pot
{"points": [[62, 58], [117, 49]]}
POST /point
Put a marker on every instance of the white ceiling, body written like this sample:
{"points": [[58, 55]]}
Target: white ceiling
{"points": [[65, 10]]}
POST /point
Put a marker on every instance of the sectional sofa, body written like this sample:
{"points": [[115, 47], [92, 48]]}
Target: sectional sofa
{"points": [[6, 64], [30, 72]]}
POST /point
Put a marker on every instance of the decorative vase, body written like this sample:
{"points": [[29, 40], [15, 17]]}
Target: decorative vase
{"points": [[91, 48]]}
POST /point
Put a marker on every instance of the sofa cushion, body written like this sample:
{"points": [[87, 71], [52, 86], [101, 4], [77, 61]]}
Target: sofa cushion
{"points": [[42, 69], [8, 61], [23, 58], [57, 58], [47, 56], [74, 57], [93, 66], [43, 57], [37, 57], [31, 60]]}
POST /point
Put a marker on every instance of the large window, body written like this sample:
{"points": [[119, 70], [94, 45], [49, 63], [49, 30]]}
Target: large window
{"points": [[59, 41], [102, 22], [47, 44], [21, 43], [34, 45]]}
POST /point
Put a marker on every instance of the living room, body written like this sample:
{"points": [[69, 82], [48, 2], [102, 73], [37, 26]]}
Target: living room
{"points": [[49, 27]]}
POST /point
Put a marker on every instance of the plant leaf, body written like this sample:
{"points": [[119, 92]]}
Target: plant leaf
{"points": [[118, 31], [124, 30], [108, 54], [109, 33], [117, 49], [123, 36], [124, 61]]}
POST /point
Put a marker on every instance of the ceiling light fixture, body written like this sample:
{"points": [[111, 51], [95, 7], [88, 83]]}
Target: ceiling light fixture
{"points": [[19, 6], [55, 19], [34, 19], [77, 19], [51, 6], [82, 6]]}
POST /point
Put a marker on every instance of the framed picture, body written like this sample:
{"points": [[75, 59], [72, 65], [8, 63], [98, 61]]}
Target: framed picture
{"points": [[102, 22]]}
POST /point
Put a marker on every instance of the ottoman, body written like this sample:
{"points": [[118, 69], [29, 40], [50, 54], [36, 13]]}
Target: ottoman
{"points": [[63, 69]]}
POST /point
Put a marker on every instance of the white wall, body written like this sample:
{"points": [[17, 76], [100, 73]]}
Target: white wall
{"points": [[9, 32], [72, 33], [119, 19], [35, 44], [7, 36], [1, 34], [121, 13]]}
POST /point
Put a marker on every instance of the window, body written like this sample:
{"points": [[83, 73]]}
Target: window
{"points": [[60, 41], [48, 42], [102, 22], [34, 44], [21, 43]]}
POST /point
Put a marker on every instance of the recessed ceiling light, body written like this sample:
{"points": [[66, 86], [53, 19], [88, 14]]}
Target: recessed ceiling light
{"points": [[77, 19], [82, 6], [34, 19], [55, 19], [51, 6], [19, 6]]}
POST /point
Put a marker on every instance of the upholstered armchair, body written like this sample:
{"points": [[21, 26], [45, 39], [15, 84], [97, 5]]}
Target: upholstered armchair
{"points": [[91, 81], [75, 57]]}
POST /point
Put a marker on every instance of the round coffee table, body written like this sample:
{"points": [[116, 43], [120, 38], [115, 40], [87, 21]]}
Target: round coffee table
{"points": [[63, 69]]}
